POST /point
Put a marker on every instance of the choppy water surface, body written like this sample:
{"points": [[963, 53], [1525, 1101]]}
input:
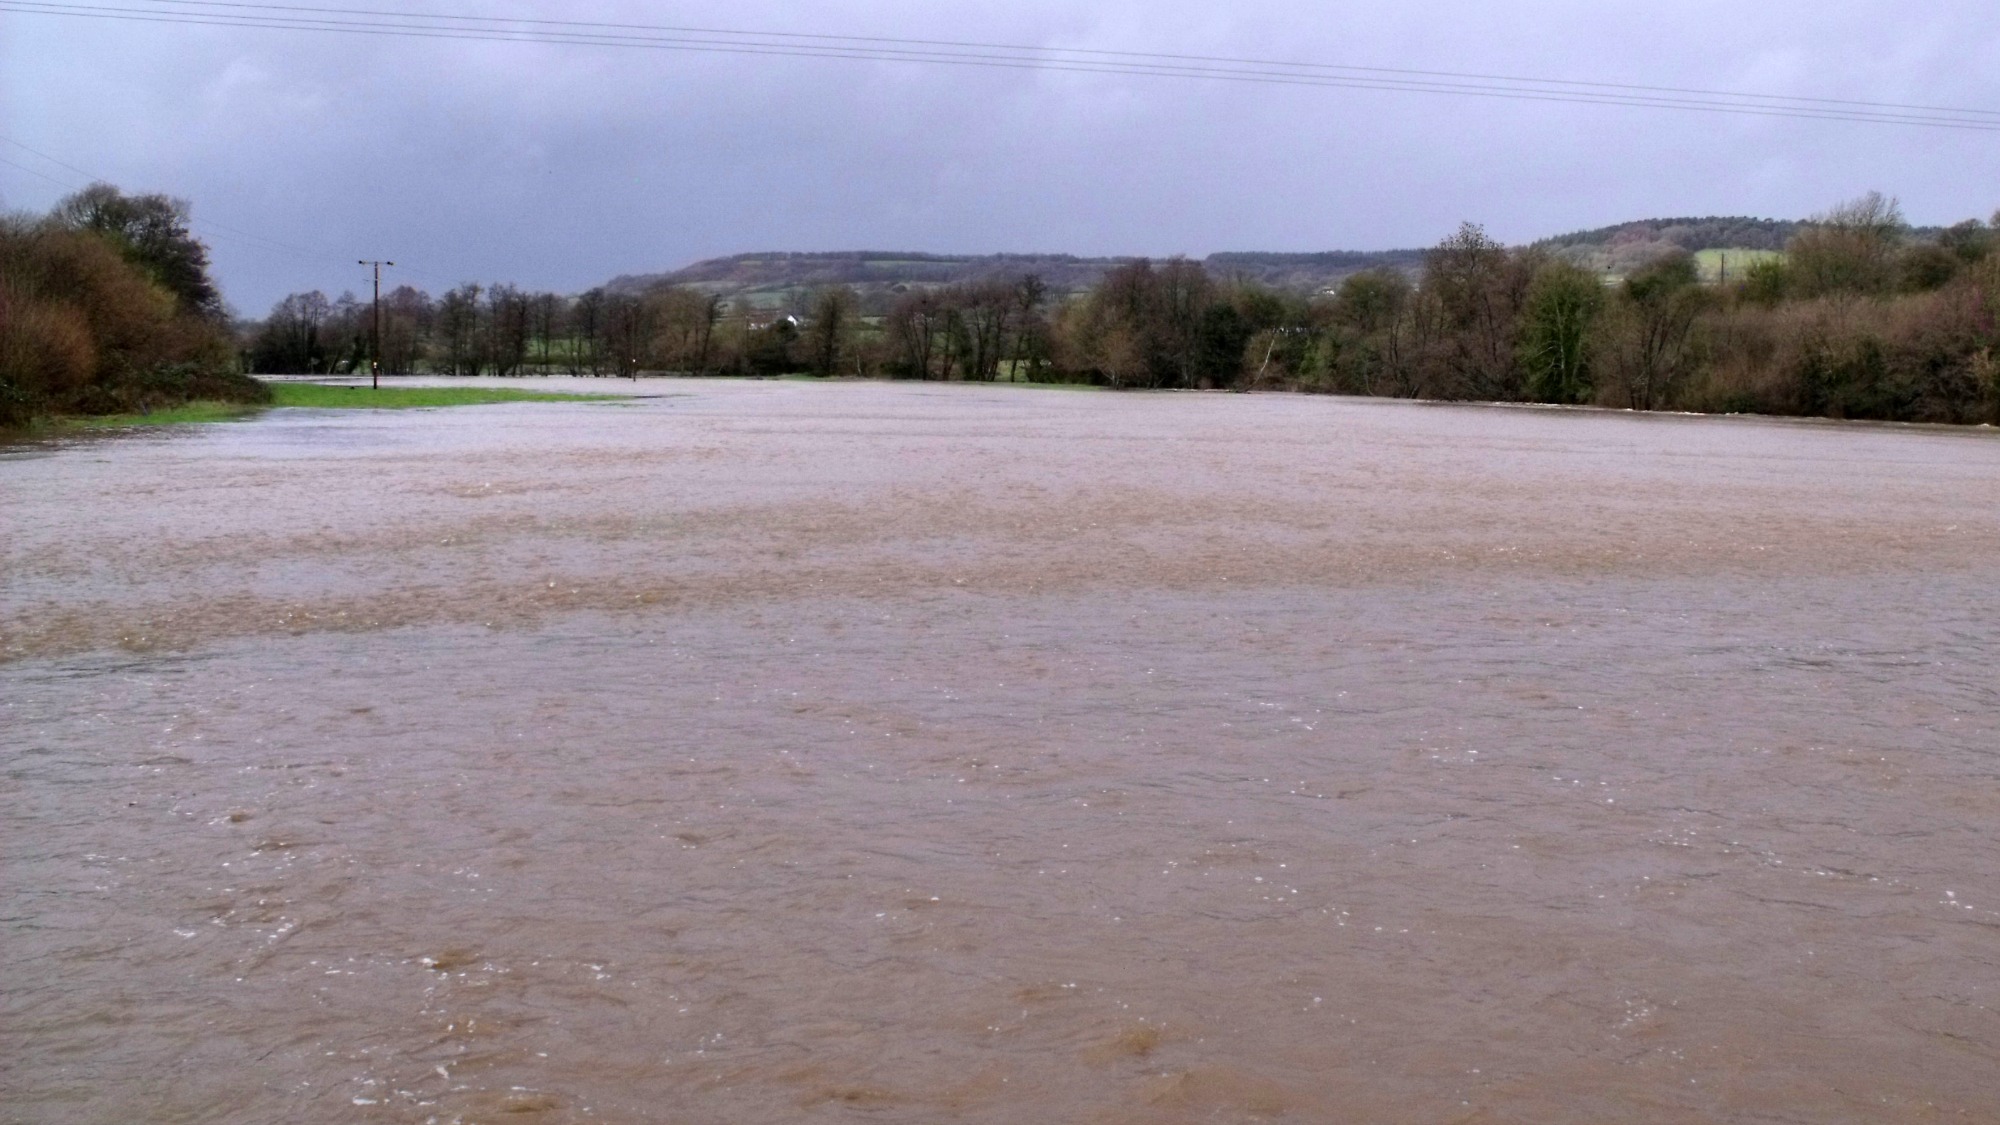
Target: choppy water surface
{"points": [[774, 752]]}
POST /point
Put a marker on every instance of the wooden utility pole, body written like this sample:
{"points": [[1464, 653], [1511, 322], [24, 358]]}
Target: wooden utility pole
{"points": [[375, 362]]}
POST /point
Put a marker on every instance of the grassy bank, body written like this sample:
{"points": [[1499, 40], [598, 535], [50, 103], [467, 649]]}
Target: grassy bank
{"points": [[316, 396], [324, 397], [176, 416]]}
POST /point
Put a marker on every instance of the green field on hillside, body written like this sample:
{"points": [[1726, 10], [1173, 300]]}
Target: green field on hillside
{"points": [[1739, 261]]}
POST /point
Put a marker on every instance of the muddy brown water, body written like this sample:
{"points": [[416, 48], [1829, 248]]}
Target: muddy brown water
{"points": [[766, 752]]}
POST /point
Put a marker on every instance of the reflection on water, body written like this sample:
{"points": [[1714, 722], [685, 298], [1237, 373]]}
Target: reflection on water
{"points": [[781, 752]]}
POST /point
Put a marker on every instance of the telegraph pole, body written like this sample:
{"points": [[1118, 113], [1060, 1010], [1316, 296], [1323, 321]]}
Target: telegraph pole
{"points": [[375, 363]]}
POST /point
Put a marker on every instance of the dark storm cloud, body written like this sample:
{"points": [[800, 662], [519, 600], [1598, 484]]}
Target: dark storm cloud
{"points": [[559, 166]]}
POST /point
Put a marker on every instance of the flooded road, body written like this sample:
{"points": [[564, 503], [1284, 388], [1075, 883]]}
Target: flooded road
{"points": [[769, 752]]}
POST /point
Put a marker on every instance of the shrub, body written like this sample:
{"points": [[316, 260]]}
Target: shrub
{"points": [[1766, 282], [1969, 241], [45, 352], [85, 330], [1927, 266]]}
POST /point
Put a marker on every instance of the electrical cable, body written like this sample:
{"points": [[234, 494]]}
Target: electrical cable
{"points": [[208, 227], [1059, 51], [789, 44]]}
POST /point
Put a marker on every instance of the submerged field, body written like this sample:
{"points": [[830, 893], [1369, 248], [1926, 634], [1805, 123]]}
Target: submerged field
{"points": [[786, 751]]}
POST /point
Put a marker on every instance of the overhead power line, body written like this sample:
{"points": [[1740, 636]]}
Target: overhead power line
{"points": [[710, 40], [207, 227], [56, 180], [820, 37]]}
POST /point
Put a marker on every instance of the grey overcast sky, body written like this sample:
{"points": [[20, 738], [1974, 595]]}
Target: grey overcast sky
{"points": [[560, 166]]}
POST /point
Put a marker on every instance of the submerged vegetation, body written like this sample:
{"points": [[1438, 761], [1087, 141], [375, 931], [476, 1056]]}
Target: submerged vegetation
{"points": [[1850, 314], [106, 307]]}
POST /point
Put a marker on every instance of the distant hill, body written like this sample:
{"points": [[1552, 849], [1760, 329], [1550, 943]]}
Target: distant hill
{"points": [[1310, 272], [1692, 235], [869, 267], [1621, 249], [771, 278], [1628, 246], [774, 280]]}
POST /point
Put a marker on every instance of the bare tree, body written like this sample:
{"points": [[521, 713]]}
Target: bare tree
{"points": [[462, 330], [1367, 316], [683, 323], [1180, 301], [917, 326], [828, 329], [289, 342], [1850, 249], [586, 333], [985, 313], [508, 328], [711, 312], [1660, 306], [1030, 335], [545, 310], [628, 334], [1479, 291], [407, 318]]}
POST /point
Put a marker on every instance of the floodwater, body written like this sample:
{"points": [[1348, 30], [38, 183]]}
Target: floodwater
{"points": [[770, 752]]}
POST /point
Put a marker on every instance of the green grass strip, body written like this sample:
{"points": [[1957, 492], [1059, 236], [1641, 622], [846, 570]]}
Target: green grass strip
{"points": [[177, 416], [323, 397], [317, 396]]}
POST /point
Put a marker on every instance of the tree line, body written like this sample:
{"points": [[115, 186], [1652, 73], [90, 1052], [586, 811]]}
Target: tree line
{"points": [[106, 306], [489, 330], [1859, 318]]}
